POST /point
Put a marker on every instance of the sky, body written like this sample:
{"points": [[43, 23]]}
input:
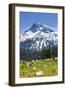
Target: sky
{"points": [[27, 19]]}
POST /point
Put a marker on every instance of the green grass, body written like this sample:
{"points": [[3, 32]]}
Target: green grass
{"points": [[48, 66]]}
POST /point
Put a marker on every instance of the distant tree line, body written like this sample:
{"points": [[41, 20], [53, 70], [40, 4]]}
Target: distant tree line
{"points": [[49, 52], [46, 52]]}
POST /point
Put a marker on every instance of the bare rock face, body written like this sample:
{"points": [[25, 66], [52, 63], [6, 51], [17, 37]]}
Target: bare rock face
{"points": [[39, 73]]}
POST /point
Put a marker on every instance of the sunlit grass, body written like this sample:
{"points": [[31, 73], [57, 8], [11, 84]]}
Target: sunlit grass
{"points": [[48, 66]]}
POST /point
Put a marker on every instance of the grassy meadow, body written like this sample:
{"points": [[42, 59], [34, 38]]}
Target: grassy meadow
{"points": [[48, 67]]}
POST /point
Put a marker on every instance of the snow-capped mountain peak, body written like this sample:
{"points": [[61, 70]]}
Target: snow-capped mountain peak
{"points": [[38, 36], [38, 27]]}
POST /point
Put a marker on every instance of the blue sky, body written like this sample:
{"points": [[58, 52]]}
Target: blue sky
{"points": [[27, 19]]}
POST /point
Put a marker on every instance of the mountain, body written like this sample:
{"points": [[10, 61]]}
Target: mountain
{"points": [[37, 37], [38, 27]]}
